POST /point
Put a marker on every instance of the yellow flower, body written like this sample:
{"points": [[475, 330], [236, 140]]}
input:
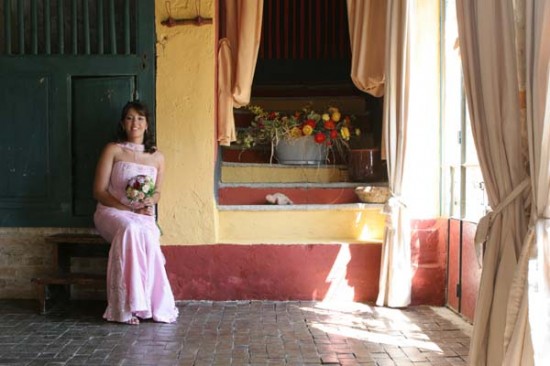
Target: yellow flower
{"points": [[344, 132], [325, 117], [336, 116], [295, 132], [307, 130], [357, 132]]}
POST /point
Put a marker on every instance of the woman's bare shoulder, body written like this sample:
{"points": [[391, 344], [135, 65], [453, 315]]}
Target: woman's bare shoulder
{"points": [[112, 146], [158, 156], [112, 149]]}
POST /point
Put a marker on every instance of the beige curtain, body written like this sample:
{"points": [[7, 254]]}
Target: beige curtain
{"points": [[528, 342], [487, 44], [395, 268], [538, 107], [237, 56], [367, 30]]}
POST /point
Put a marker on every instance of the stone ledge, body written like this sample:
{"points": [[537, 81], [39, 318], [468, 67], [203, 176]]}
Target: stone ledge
{"points": [[309, 207], [303, 185], [301, 224]]}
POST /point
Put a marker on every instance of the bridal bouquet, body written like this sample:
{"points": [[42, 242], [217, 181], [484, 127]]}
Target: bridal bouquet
{"points": [[139, 188]]}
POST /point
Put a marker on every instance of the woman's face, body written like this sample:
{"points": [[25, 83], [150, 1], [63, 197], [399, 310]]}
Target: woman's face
{"points": [[135, 125]]}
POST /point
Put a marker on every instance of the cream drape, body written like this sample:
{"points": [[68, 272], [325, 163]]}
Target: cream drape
{"points": [[539, 156], [367, 29], [487, 47], [395, 269], [527, 335], [237, 56]]}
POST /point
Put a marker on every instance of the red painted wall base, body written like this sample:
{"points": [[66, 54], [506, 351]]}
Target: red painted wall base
{"points": [[346, 272]]}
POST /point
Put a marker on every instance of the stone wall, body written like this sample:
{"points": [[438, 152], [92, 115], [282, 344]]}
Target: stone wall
{"points": [[24, 254]]}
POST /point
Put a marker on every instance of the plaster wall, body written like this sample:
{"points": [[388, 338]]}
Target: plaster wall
{"points": [[185, 89]]}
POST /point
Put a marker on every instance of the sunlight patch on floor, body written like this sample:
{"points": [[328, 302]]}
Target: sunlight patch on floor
{"points": [[380, 338], [363, 322]]}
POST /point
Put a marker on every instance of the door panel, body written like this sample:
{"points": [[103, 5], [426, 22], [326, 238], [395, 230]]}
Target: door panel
{"points": [[453, 276], [24, 138], [96, 106], [471, 271]]}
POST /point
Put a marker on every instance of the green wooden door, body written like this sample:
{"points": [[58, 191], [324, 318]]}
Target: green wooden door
{"points": [[66, 70]]}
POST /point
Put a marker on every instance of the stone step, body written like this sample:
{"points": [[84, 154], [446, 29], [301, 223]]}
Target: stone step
{"points": [[301, 224], [299, 193], [279, 173], [234, 154]]}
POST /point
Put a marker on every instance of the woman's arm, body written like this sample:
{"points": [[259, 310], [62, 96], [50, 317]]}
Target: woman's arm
{"points": [[159, 160], [103, 176]]}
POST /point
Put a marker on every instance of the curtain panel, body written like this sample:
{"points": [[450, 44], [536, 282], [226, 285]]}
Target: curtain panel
{"points": [[367, 31], [527, 334], [237, 56], [395, 269], [488, 52], [304, 30]]}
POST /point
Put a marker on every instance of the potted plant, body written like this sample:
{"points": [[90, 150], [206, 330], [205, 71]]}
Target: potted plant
{"points": [[302, 137]]}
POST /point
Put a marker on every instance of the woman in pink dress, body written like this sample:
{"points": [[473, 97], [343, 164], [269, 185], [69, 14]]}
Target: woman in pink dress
{"points": [[137, 284]]}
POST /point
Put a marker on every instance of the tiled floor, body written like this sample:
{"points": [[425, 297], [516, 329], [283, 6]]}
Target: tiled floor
{"points": [[235, 333]]}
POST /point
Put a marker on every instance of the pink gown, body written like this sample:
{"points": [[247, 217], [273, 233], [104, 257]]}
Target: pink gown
{"points": [[137, 283]]}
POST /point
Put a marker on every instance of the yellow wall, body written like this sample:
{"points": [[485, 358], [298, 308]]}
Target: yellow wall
{"points": [[185, 115], [185, 123]]}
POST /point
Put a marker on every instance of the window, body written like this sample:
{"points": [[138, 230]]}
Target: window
{"points": [[463, 190]]}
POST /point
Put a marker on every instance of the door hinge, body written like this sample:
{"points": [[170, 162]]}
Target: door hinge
{"points": [[458, 290]]}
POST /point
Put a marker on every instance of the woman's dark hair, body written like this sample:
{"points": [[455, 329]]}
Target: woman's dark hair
{"points": [[148, 137]]}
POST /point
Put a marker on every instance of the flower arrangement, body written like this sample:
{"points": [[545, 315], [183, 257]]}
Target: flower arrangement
{"points": [[330, 127], [139, 188]]}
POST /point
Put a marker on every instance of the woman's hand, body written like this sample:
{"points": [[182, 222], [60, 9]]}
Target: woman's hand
{"points": [[153, 200], [149, 201], [146, 210]]}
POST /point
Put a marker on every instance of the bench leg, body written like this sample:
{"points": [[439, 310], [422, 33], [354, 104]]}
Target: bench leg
{"points": [[41, 294]]}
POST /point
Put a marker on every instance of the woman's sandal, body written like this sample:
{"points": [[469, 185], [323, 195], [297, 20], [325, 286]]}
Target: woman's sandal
{"points": [[133, 320]]}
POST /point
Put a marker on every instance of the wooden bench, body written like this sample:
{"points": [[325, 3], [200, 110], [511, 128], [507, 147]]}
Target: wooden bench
{"points": [[71, 246]]}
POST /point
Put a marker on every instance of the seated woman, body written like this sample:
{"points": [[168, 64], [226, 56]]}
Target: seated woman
{"points": [[137, 284]]}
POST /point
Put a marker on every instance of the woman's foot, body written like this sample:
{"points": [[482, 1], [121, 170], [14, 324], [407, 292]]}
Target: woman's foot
{"points": [[133, 320]]}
